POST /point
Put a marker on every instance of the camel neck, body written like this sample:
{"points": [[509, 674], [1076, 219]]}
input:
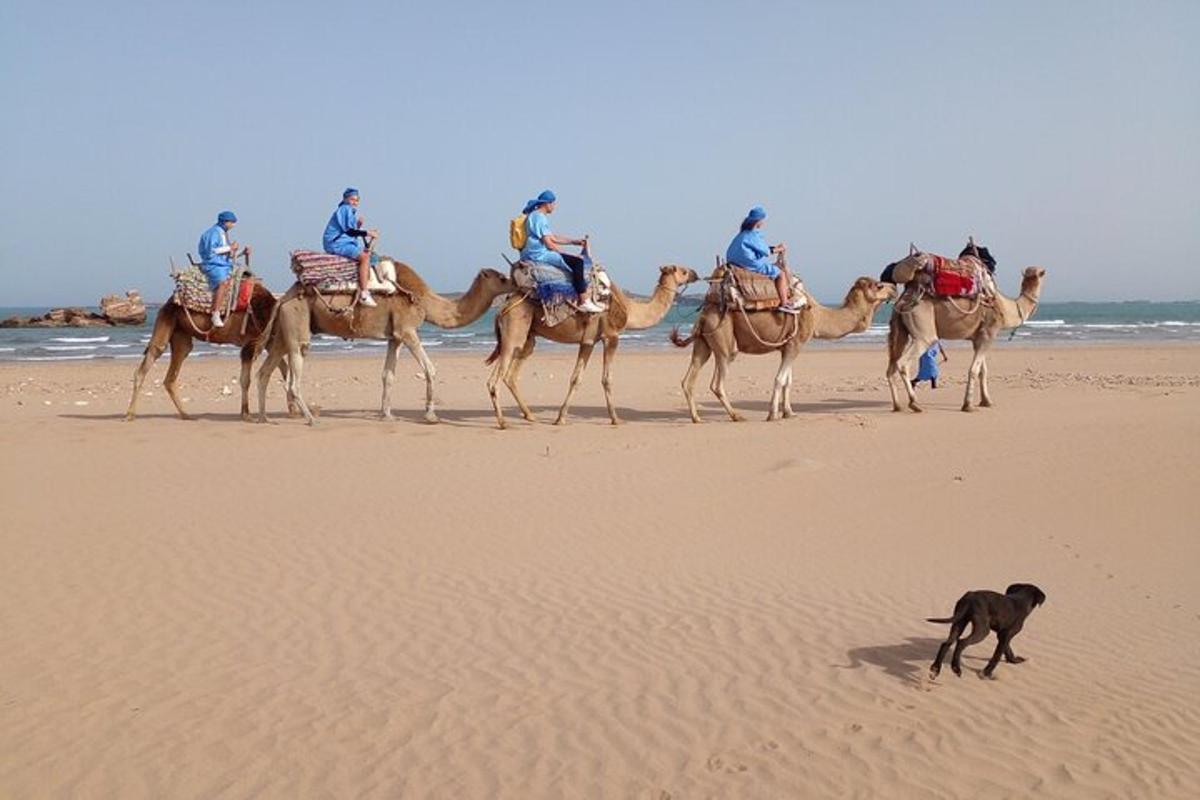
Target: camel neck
{"points": [[447, 313], [650, 313], [853, 316]]}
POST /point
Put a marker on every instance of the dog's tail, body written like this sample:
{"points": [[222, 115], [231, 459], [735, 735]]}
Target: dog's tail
{"points": [[940, 620]]}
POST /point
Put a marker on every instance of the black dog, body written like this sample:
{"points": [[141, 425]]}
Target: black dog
{"points": [[1003, 613]]}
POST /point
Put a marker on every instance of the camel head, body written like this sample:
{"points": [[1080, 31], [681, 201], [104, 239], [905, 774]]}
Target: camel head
{"points": [[494, 281], [675, 276], [875, 292], [1031, 282]]}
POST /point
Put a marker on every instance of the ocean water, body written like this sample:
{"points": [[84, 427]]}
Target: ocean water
{"points": [[1054, 323]]}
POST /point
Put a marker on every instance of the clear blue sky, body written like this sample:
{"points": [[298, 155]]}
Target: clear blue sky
{"points": [[1059, 133]]}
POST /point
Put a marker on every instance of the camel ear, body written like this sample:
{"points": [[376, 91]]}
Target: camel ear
{"points": [[912, 249]]}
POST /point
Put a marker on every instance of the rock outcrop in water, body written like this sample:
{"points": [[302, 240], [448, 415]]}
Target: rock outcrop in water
{"points": [[114, 310]]}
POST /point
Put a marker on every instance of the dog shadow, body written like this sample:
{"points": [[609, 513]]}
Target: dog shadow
{"points": [[906, 662]]}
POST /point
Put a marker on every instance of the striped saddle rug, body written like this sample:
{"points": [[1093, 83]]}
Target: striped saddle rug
{"points": [[339, 275], [192, 292]]}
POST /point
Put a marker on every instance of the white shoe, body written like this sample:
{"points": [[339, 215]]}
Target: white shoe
{"points": [[589, 307], [364, 298], [217, 320]]}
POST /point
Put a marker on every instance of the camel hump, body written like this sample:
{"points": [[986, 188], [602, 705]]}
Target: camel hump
{"points": [[408, 278]]}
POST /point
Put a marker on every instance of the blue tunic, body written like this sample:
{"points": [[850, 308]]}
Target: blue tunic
{"points": [[537, 225], [337, 239], [928, 370], [750, 251], [215, 262]]}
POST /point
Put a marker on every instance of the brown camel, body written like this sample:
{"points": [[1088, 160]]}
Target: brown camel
{"points": [[395, 318], [519, 324], [724, 334], [912, 331], [178, 327]]}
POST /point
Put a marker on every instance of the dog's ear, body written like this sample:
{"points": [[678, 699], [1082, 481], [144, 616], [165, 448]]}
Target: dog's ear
{"points": [[1039, 596]]}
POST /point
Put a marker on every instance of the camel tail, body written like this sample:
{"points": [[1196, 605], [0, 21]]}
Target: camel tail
{"points": [[263, 338], [682, 341], [496, 350]]}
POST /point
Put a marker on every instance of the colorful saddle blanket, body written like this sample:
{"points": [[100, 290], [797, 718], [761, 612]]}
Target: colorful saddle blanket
{"points": [[743, 288], [552, 287], [339, 275], [192, 292], [965, 277]]}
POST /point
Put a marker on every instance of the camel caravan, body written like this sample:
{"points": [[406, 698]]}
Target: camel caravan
{"points": [[754, 305]]}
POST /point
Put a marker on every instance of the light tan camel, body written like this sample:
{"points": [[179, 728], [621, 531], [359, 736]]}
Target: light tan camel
{"points": [[725, 334], [395, 318], [911, 332], [519, 324], [178, 327]]}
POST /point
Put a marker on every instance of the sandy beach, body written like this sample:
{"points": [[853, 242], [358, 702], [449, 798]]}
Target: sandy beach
{"points": [[655, 610]]}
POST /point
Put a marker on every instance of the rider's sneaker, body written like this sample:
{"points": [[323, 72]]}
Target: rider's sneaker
{"points": [[788, 308], [217, 320], [365, 298], [589, 307]]}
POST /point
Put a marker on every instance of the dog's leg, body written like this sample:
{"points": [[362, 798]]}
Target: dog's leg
{"points": [[1009, 657], [979, 632], [1005, 637], [955, 631]]}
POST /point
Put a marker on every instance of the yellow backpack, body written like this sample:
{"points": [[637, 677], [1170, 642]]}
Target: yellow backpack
{"points": [[517, 235]]}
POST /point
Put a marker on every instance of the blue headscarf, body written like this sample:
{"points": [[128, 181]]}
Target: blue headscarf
{"points": [[541, 200], [226, 216], [755, 214], [350, 192]]}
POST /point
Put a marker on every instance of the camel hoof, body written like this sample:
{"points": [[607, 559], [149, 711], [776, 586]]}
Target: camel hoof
{"points": [[737, 418], [897, 409], [985, 403], [789, 414], [129, 417], [529, 418], [916, 409], [560, 421], [502, 425], [431, 418], [697, 421], [246, 417], [617, 421], [187, 418], [967, 409], [386, 416]]}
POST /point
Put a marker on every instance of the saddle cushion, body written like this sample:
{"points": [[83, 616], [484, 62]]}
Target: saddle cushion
{"points": [[192, 292], [751, 290], [552, 287], [333, 274], [961, 278]]}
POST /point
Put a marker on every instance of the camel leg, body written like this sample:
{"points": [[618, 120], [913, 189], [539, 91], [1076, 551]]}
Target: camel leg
{"points": [[788, 413], [782, 376], [700, 355], [181, 345], [164, 324], [274, 360], [389, 377], [974, 373], [514, 372], [610, 351], [295, 357], [985, 397], [581, 360], [912, 350], [721, 362], [413, 343], [247, 356]]}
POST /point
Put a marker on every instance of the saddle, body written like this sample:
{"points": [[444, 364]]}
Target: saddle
{"points": [[192, 292], [330, 274], [967, 277], [551, 287], [736, 287]]}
